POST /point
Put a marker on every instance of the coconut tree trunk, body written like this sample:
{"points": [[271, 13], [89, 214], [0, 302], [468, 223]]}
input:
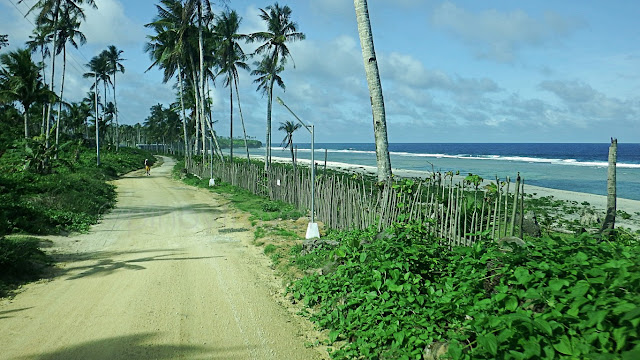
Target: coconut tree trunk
{"points": [[64, 69], [197, 111], [293, 157], [26, 122], [44, 80], [244, 130], [184, 119], [375, 90], [97, 121], [267, 159], [610, 218], [53, 73], [115, 104], [230, 120], [213, 134], [202, 102]]}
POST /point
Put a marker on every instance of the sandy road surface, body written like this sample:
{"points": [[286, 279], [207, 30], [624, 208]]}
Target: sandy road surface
{"points": [[168, 274]]}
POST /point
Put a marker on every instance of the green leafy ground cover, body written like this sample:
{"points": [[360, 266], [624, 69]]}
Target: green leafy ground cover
{"points": [[68, 194], [555, 298]]}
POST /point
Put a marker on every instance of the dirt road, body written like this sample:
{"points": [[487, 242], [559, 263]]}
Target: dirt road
{"points": [[169, 274]]}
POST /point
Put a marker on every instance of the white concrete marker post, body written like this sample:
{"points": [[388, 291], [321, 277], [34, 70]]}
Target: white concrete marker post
{"points": [[312, 228]]}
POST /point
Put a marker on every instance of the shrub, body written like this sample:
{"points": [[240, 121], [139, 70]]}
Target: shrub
{"points": [[572, 297]]}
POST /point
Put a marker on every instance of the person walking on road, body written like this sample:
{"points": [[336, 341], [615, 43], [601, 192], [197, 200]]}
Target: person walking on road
{"points": [[147, 167]]}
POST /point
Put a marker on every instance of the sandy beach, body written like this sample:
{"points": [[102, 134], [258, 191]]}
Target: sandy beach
{"points": [[598, 202]]}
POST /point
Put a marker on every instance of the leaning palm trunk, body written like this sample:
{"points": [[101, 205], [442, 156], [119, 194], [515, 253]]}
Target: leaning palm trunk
{"points": [[53, 73], [375, 90], [213, 133], [215, 140], [293, 157], [184, 119], [64, 69], [197, 111], [610, 218], [115, 104], [44, 80], [267, 159], [97, 121], [202, 100], [244, 130], [230, 120]]}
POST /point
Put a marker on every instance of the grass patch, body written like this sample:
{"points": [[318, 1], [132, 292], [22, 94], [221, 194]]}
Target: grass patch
{"points": [[269, 249], [21, 260]]}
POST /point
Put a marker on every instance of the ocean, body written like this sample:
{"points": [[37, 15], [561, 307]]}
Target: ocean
{"points": [[570, 166]]}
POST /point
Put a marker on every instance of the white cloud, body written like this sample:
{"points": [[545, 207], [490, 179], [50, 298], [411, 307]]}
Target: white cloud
{"points": [[499, 35], [109, 24]]}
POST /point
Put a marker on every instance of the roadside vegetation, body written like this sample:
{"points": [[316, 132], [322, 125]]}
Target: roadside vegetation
{"points": [[403, 294], [67, 194]]}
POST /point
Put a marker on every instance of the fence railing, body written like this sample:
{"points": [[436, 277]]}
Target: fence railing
{"points": [[454, 210]]}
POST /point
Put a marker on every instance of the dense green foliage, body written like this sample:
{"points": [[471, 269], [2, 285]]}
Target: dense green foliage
{"points": [[555, 298], [67, 194], [20, 260]]}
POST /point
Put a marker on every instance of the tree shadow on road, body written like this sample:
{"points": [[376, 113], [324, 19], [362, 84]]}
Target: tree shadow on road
{"points": [[2, 313], [141, 212], [139, 347], [105, 263]]}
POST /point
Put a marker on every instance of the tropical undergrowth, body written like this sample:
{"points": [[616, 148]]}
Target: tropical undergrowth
{"points": [[21, 260], [43, 195], [393, 296]]}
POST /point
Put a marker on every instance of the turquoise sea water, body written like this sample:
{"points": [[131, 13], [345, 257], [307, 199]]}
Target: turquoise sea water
{"points": [[573, 167]]}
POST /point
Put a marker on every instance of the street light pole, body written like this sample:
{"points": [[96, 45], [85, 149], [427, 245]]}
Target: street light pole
{"points": [[312, 228]]}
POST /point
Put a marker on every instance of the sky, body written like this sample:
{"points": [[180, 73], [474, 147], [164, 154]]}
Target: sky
{"points": [[451, 71]]}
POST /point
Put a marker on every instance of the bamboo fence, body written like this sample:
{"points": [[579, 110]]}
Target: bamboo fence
{"points": [[453, 210]]}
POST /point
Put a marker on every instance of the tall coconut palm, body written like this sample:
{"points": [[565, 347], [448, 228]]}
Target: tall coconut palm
{"points": [[114, 60], [289, 127], [375, 90], [267, 74], [230, 58], [4, 40], [67, 31], [49, 11], [168, 47], [39, 41], [99, 71], [280, 31], [20, 81]]}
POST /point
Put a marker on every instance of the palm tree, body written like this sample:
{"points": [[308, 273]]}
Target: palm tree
{"points": [[375, 90], [289, 127], [50, 14], [280, 31], [67, 31], [20, 81], [267, 74], [39, 41], [4, 40], [115, 65], [99, 71], [231, 57], [168, 48]]}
